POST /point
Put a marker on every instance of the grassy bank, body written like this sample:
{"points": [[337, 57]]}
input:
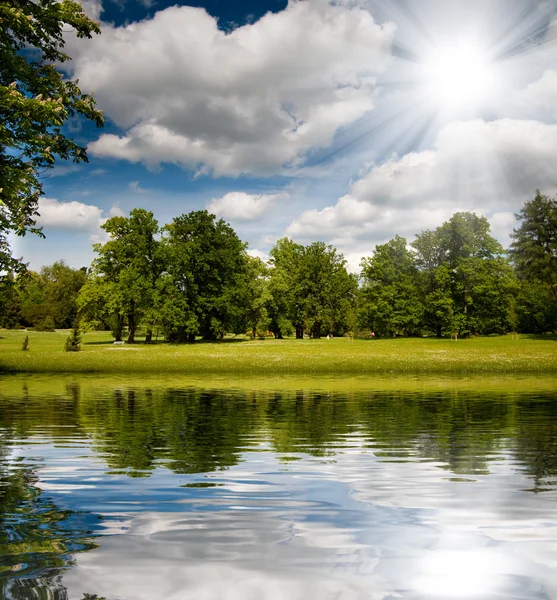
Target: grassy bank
{"points": [[492, 355]]}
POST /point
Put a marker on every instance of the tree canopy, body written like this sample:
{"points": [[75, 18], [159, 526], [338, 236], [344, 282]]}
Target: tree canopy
{"points": [[35, 102], [194, 278]]}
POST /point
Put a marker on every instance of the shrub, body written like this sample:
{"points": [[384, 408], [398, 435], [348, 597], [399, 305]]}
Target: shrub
{"points": [[47, 324], [73, 341]]}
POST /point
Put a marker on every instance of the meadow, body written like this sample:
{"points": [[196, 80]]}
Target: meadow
{"points": [[527, 355]]}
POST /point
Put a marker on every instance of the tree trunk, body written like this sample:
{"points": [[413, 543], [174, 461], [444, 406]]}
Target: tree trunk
{"points": [[119, 328], [299, 332], [149, 336], [191, 338], [439, 333], [316, 331], [131, 327]]}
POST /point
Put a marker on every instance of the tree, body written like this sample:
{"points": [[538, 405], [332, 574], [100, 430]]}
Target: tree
{"points": [[467, 282], [310, 288], [101, 305], [391, 296], [285, 314], [205, 265], [35, 102], [60, 286], [128, 266], [73, 341], [534, 246], [254, 297], [323, 287]]}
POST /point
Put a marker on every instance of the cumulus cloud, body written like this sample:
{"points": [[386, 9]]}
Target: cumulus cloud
{"points": [[239, 206], [490, 168], [543, 92], [264, 256], [74, 216], [247, 102]]}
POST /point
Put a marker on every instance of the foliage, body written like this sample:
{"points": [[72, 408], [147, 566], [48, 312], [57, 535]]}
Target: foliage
{"points": [[534, 254], [205, 264], [467, 283], [310, 289], [390, 297], [73, 341], [534, 245], [285, 315], [194, 278], [123, 279], [35, 102], [254, 296], [44, 300]]}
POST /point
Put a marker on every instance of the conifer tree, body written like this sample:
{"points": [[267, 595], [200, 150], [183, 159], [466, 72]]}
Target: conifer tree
{"points": [[73, 341]]}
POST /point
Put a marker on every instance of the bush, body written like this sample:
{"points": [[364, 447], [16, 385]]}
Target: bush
{"points": [[73, 341], [47, 324]]}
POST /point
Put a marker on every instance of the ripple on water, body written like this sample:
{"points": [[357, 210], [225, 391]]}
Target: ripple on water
{"points": [[158, 493]]}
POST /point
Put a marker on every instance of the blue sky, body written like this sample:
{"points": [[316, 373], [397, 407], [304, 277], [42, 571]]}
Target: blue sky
{"points": [[347, 121]]}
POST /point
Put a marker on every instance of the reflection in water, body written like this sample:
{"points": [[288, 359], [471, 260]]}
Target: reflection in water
{"points": [[37, 538], [240, 494]]}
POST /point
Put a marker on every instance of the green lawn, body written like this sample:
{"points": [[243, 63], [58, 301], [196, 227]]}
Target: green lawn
{"points": [[492, 355]]}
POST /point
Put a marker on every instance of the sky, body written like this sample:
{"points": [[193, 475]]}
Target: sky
{"points": [[342, 121]]}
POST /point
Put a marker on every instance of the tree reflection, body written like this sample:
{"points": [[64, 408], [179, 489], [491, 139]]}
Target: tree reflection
{"points": [[37, 539], [189, 430]]}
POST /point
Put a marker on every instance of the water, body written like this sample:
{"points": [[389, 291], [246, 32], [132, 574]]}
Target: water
{"points": [[153, 490]]}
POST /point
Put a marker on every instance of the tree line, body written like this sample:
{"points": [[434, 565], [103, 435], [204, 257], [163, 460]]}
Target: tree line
{"points": [[193, 278]]}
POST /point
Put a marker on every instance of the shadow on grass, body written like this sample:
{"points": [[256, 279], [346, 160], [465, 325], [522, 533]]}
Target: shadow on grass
{"points": [[540, 337], [140, 342]]}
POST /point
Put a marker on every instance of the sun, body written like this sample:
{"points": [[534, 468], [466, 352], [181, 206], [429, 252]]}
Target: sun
{"points": [[458, 77]]}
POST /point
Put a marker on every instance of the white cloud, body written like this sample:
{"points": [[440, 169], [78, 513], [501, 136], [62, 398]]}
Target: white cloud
{"points": [[92, 8], [264, 256], [239, 206], [543, 92], [74, 216], [63, 170], [247, 102], [71, 216], [490, 168], [135, 187]]}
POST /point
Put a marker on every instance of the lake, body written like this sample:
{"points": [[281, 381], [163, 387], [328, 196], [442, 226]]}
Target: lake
{"points": [[160, 489]]}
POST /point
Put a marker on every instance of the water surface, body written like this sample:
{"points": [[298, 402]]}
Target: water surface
{"points": [[133, 490]]}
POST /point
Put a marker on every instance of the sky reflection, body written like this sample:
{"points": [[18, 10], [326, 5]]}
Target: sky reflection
{"points": [[351, 496]]}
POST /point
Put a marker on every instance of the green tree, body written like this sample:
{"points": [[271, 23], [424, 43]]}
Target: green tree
{"points": [[35, 102], [323, 288], [390, 295], [101, 305], [10, 302], [254, 297], [127, 267], [73, 341], [285, 314], [534, 246], [467, 283], [47, 299], [533, 252], [205, 265], [60, 286]]}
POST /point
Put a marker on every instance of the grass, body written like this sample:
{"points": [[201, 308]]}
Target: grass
{"points": [[501, 355]]}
